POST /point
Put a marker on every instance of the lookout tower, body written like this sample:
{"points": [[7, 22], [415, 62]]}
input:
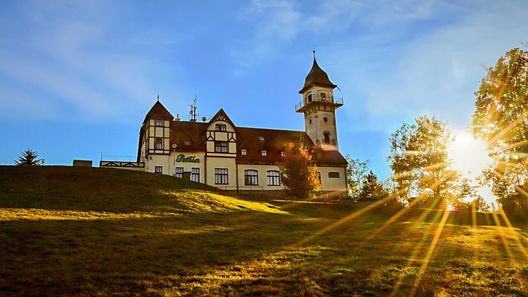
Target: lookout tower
{"points": [[318, 106]]}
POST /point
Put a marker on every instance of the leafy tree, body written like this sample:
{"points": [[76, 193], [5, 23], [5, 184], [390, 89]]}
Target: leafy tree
{"points": [[356, 174], [466, 198], [372, 189], [298, 172], [29, 158], [419, 161], [501, 118]]}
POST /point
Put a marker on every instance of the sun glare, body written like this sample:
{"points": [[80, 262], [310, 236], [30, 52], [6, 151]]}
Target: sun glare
{"points": [[469, 156]]}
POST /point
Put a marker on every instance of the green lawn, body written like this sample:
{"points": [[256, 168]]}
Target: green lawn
{"points": [[85, 232]]}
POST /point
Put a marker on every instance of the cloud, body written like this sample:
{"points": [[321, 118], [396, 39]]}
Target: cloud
{"points": [[73, 51]]}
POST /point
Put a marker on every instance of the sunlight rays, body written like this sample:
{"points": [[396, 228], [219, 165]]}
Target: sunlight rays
{"points": [[429, 253], [416, 250], [503, 238]]}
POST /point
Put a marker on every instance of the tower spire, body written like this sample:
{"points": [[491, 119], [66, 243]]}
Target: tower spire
{"points": [[158, 98]]}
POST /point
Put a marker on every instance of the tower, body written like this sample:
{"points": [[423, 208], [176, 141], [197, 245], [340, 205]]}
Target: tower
{"points": [[318, 106]]}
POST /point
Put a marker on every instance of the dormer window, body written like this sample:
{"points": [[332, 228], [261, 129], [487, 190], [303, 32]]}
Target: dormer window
{"points": [[243, 152], [220, 127], [187, 143], [282, 153], [264, 153], [158, 123]]}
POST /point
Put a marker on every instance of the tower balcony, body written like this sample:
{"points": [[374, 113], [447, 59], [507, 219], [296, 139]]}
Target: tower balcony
{"points": [[332, 103]]}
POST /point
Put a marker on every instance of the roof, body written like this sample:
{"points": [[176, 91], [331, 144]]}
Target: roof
{"points": [[318, 77], [188, 136], [158, 111]]}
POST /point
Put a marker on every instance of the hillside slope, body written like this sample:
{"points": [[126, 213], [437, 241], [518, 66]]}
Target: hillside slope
{"points": [[64, 190]]}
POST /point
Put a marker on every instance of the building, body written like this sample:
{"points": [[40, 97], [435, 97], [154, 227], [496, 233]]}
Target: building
{"points": [[221, 154]]}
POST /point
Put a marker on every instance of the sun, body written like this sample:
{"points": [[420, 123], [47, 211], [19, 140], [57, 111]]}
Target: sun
{"points": [[468, 155]]}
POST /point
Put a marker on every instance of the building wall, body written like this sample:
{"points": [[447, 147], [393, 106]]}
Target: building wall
{"points": [[332, 184], [221, 162], [262, 177], [178, 159]]}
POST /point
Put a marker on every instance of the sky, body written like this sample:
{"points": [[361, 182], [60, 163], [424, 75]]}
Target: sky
{"points": [[78, 77]]}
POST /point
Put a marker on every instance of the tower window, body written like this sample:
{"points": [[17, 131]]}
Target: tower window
{"points": [[327, 138], [323, 96], [309, 97], [159, 143], [333, 174], [325, 119]]}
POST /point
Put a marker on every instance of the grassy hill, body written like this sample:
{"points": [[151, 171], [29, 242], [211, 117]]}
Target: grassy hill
{"points": [[91, 231]]}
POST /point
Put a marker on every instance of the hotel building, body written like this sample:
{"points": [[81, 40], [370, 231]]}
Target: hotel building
{"points": [[223, 155]]}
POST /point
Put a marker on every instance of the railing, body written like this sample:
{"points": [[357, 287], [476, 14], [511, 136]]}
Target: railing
{"points": [[121, 164], [318, 98]]}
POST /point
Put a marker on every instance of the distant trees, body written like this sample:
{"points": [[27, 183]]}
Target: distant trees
{"points": [[29, 158], [298, 172], [372, 189], [356, 172], [501, 118], [419, 164]]}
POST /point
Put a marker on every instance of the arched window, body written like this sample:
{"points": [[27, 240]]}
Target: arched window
{"points": [[251, 177], [309, 98], [323, 96], [327, 138], [274, 178]]}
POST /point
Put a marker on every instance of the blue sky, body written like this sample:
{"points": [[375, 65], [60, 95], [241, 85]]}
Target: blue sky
{"points": [[77, 77]]}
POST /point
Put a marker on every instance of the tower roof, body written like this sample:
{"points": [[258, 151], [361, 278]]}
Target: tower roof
{"points": [[316, 76], [158, 111]]}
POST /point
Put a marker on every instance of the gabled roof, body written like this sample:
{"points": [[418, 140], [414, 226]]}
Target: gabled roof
{"points": [[158, 111], [317, 77], [188, 136], [221, 115]]}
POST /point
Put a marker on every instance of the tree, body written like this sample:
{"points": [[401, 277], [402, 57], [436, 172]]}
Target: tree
{"points": [[466, 197], [29, 158], [419, 161], [356, 172], [501, 118], [298, 172], [372, 188]]}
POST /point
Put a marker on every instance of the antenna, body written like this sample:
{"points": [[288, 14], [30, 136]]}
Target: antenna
{"points": [[193, 113]]}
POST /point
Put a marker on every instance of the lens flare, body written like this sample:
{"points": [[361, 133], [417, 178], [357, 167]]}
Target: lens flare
{"points": [[469, 156]]}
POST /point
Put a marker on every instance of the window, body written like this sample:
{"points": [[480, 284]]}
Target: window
{"points": [[195, 175], [159, 123], [221, 147], [221, 176], [282, 154], [273, 178], [264, 153], [220, 127], [178, 172], [243, 152], [327, 138], [333, 174], [323, 96], [251, 177], [325, 119], [159, 143], [158, 169], [309, 97], [187, 142]]}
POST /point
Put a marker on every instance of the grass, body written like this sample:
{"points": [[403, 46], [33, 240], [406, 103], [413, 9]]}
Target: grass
{"points": [[89, 231]]}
